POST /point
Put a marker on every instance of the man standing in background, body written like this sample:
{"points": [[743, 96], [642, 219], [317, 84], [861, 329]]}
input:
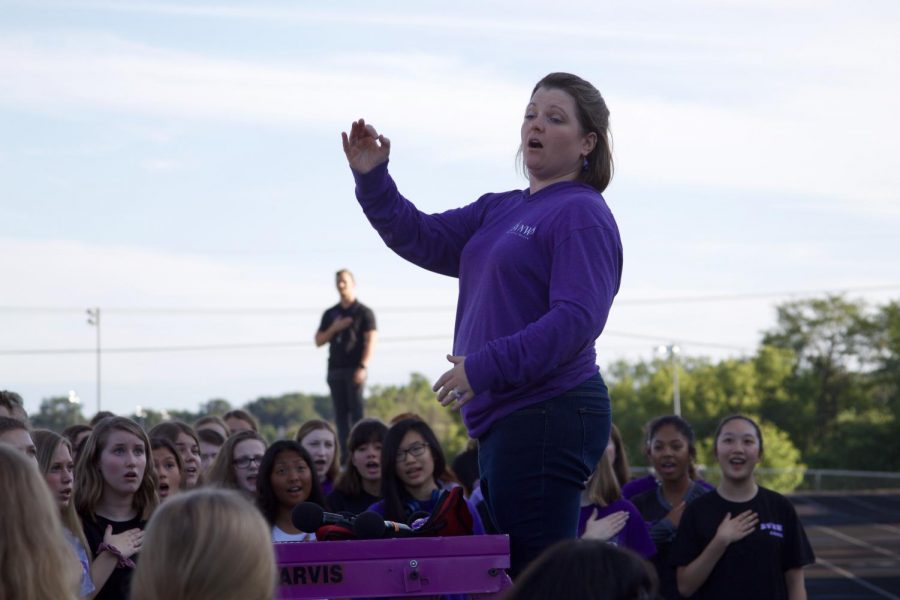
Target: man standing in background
{"points": [[348, 328]]}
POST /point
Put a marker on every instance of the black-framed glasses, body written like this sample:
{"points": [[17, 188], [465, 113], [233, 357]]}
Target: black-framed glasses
{"points": [[417, 449], [245, 461]]}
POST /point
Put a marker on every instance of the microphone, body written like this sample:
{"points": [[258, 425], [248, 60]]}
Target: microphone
{"points": [[372, 526], [309, 516]]}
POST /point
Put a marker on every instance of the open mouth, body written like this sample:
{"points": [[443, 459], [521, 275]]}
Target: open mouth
{"points": [[737, 461], [65, 494], [164, 489], [295, 490], [535, 143]]}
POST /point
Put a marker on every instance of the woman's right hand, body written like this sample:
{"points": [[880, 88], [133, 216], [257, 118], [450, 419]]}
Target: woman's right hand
{"points": [[128, 542], [364, 147]]}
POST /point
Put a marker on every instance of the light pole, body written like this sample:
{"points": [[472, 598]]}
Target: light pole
{"points": [[94, 319], [672, 351]]}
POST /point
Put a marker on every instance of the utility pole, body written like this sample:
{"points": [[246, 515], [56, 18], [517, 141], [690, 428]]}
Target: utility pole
{"points": [[94, 320], [672, 351]]}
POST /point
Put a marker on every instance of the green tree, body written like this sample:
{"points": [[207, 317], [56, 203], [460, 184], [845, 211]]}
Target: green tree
{"points": [[280, 417], [57, 413], [386, 402]]}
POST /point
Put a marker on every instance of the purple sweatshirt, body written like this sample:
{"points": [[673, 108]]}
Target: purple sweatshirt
{"points": [[537, 276], [634, 536]]}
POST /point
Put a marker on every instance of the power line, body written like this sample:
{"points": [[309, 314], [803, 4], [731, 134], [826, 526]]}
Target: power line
{"points": [[298, 311], [304, 344]]}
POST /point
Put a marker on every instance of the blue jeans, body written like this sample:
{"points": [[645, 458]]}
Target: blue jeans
{"points": [[535, 462]]}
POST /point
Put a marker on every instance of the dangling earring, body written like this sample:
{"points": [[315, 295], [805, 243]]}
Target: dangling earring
{"points": [[584, 164]]}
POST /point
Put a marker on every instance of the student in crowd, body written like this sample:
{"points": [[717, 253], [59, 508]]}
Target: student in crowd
{"points": [[115, 494], [359, 486], [608, 517], [635, 487], [411, 460], [211, 442], [742, 540], [168, 465], [619, 456], [237, 465], [287, 478], [586, 570], [239, 420], [185, 440], [35, 561], [14, 432], [671, 452], [100, 416], [320, 440], [12, 405], [54, 454], [77, 436], [212, 423], [206, 544]]}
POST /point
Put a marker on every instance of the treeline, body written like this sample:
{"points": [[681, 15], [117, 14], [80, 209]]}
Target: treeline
{"points": [[825, 382]]}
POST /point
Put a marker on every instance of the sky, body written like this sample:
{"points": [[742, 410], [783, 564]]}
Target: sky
{"points": [[178, 166]]}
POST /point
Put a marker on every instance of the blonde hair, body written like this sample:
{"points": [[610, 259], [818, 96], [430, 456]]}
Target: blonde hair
{"points": [[603, 486], [46, 442], [36, 561], [189, 550], [221, 472], [89, 483]]}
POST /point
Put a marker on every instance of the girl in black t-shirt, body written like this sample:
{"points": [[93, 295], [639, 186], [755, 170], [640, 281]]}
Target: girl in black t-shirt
{"points": [[115, 494], [743, 540]]}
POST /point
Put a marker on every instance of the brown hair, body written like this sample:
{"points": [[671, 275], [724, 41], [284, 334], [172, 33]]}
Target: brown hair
{"points": [[242, 415], [620, 464], [89, 481], [603, 487], [593, 116]]}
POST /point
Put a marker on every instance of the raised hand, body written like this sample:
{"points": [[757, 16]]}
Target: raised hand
{"points": [[606, 528], [735, 529], [364, 147]]}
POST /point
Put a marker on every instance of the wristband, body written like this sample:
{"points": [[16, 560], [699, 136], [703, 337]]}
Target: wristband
{"points": [[124, 561]]}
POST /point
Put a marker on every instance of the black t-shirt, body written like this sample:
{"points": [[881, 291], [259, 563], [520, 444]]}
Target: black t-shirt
{"points": [[341, 502], [118, 584], [653, 507], [345, 350], [753, 567]]}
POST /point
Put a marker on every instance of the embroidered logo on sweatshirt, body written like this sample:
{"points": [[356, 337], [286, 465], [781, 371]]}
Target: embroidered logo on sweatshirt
{"points": [[522, 230], [775, 529]]}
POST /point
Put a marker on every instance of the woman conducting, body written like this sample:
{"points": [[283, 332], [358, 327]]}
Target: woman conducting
{"points": [[538, 269]]}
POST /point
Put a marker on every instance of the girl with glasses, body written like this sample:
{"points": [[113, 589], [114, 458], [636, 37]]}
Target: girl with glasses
{"points": [[411, 460], [237, 464]]}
